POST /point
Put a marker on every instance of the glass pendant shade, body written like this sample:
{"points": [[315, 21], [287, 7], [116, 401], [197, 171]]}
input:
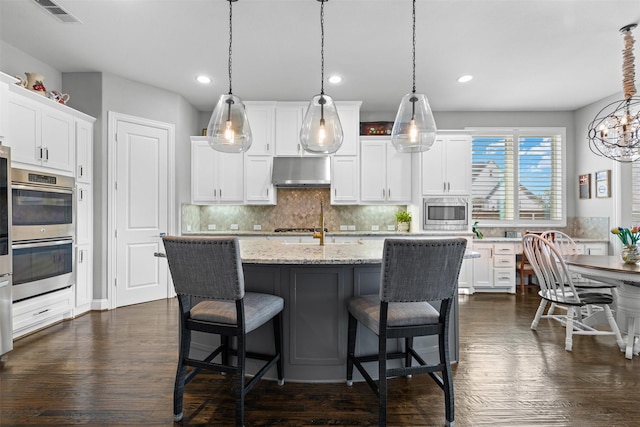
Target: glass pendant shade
{"points": [[414, 128], [321, 129], [228, 130]]}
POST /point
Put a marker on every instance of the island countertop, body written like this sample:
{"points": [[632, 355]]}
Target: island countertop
{"points": [[282, 252]]}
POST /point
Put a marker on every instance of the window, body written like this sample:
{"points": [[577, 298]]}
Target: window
{"points": [[635, 192], [518, 177]]}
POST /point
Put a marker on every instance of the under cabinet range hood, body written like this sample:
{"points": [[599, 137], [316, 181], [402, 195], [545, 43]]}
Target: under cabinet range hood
{"points": [[301, 171]]}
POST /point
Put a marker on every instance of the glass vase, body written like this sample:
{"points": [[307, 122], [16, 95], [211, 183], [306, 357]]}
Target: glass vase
{"points": [[630, 254]]}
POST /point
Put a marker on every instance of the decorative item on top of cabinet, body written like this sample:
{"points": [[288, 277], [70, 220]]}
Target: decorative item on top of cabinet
{"points": [[216, 177], [385, 174], [446, 168]]}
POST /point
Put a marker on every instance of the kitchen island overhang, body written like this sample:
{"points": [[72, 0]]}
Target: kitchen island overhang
{"points": [[316, 282]]}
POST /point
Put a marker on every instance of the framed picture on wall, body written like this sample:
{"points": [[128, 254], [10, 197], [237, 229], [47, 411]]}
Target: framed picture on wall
{"points": [[584, 186], [603, 183]]}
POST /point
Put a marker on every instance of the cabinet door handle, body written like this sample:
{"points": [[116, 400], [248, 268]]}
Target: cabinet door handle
{"points": [[388, 193], [221, 193], [81, 257], [215, 193], [448, 186], [81, 195], [444, 186], [267, 192], [81, 171], [46, 153], [41, 153], [298, 148], [335, 192], [267, 148]]}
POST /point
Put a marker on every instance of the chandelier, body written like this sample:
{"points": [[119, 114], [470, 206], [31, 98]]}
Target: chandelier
{"points": [[615, 130]]}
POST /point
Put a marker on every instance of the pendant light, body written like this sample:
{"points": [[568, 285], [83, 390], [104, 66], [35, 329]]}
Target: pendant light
{"points": [[321, 129], [228, 128], [615, 132], [414, 129]]}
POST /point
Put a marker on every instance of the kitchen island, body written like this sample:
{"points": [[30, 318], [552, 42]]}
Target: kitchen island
{"points": [[316, 282]]}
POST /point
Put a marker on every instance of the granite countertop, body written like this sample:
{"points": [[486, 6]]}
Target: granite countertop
{"points": [[281, 252], [519, 240], [328, 233]]}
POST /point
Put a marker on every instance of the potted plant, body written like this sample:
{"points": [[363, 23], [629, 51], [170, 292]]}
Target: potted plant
{"points": [[404, 220]]}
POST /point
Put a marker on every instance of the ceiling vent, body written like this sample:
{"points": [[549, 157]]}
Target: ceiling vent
{"points": [[56, 11]]}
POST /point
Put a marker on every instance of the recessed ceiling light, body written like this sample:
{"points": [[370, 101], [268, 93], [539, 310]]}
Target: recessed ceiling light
{"points": [[203, 79], [335, 79], [464, 79]]}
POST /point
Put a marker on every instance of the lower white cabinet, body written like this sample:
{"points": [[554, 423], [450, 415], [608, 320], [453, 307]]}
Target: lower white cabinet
{"points": [[38, 312], [495, 270], [84, 282]]}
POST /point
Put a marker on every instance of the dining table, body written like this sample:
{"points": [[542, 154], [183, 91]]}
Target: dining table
{"points": [[626, 278]]}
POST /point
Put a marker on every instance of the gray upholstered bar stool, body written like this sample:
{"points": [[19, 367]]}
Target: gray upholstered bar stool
{"points": [[210, 270], [414, 271]]}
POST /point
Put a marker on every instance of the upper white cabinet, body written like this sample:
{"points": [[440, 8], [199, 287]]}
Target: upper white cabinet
{"points": [[344, 180], [258, 189], [4, 105], [289, 117], [446, 167], [349, 113], [216, 177], [84, 150], [40, 135], [261, 119], [385, 174]]}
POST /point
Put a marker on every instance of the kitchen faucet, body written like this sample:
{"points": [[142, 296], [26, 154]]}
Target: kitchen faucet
{"points": [[320, 234]]}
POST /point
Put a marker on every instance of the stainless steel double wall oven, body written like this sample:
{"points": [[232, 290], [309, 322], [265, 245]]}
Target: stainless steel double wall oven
{"points": [[43, 229]]}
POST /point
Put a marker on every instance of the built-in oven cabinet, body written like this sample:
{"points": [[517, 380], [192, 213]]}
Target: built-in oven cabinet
{"points": [[84, 151], [36, 313], [446, 167], [385, 174], [40, 135]]}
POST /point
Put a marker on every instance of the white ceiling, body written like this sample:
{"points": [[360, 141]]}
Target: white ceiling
{"points": [[525, 55]]}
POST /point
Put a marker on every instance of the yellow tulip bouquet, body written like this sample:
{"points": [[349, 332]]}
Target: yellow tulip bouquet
{"points": [[628, 236]]}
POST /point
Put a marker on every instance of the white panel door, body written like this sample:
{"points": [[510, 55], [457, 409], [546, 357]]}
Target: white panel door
{"points": [[141, 198]]}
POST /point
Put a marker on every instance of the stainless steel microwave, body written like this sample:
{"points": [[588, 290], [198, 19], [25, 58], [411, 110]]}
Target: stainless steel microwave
{"points": [[445, 213]]}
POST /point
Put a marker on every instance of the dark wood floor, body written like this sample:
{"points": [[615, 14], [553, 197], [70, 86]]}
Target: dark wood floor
{"points": [[117, 368]]}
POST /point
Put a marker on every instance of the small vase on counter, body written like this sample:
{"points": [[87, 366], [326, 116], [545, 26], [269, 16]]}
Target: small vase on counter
{"points": [[630, 254]]}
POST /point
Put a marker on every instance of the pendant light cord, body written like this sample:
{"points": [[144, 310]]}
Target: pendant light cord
{"points": [[414, 46], [322, 47], [230, 40], [628, 70]]}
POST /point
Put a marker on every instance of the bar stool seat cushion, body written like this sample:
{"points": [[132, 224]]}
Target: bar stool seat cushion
{"points": [[366, 309], [258, 309]]}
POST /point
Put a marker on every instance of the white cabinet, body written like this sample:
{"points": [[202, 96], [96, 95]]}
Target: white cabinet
{"points": [[258, 187], [35, 313], [84, 242], [385, 174], [349, 113], [495, 269], [4, 105], [84, 151], [216, 177], [261, 117], [446, 167], [40, 135], [289, 117], [344, 180]]}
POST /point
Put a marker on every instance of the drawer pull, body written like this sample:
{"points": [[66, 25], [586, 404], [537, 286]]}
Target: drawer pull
{"points": [[42, 312]]}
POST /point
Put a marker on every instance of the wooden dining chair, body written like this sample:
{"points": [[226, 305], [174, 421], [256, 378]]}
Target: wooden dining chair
{"points": [[523, 267], [556, 287]]}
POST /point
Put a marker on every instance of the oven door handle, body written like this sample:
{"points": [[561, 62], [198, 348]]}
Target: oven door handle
{"points": [[40, 243], [43, 188]]}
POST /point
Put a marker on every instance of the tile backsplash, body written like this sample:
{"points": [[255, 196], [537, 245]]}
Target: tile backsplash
{"points": [[577, 227], [296, 208]]}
